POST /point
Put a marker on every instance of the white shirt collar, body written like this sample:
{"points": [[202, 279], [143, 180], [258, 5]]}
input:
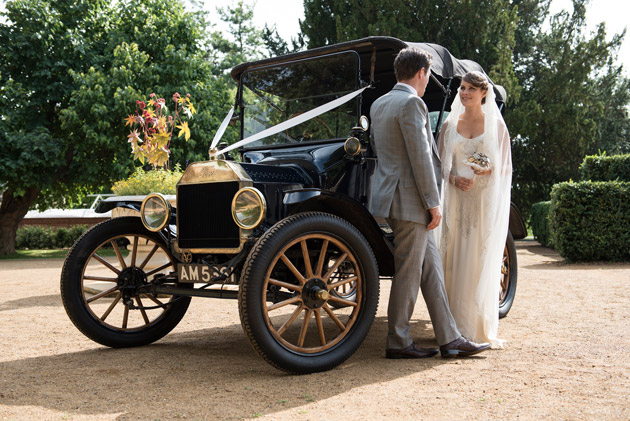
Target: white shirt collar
{"points": [[408, 87]]}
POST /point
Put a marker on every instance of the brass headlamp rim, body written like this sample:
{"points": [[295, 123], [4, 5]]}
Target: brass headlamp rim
{"points": [[263, 205], [347, 144], [167, 207]]}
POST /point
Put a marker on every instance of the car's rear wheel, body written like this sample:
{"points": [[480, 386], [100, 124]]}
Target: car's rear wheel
{"points": [[292, 305], [346, 290], [509, 274]]}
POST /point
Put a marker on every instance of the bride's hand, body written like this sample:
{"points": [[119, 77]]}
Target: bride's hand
{"points": [[464, 184]]}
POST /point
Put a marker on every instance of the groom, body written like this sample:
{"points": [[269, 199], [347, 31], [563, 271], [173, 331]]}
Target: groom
{"points": [[405, 191]]}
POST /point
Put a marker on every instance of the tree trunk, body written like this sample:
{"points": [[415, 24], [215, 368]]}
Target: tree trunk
{"points": [[12, 211]]}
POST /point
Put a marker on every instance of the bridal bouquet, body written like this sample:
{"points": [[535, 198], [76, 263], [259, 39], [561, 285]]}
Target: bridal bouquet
{"points": [[479, 161]]}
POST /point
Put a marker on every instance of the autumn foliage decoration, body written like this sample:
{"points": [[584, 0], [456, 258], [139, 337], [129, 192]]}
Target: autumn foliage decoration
{"points": [[152, 128]]}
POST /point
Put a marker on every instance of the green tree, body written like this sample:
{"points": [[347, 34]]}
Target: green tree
{"points": [[480, 30], [566, 97], [531, 16], [277, 46], [574, 103], [244, 40], [70, 71], [613, 92]]}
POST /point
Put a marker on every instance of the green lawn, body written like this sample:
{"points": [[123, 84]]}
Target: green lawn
{"points": [[50, 254]]}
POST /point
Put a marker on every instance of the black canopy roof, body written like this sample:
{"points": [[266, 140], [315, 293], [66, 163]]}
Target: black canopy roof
{"points": [[445, 65]]}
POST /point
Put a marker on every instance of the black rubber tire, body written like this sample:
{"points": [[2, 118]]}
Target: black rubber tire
{"points": [[253, 294], [512, 269], [75, 299]]}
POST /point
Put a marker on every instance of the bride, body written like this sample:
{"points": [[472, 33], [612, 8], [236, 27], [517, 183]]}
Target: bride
{"points": [[477, 173]]}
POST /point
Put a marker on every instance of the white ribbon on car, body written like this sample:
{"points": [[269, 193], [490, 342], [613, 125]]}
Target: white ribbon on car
{"points": [[292, 122], [219, 134]]}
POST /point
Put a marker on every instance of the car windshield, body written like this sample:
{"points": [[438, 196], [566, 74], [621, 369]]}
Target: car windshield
{"points": [[274, 94]]}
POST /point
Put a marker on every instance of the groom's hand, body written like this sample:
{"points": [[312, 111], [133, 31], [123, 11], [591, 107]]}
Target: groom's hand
{"points": [[436, 217]]}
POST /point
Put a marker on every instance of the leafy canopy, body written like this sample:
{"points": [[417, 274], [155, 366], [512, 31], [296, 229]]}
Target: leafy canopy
{"points": [[243, 41], [574, 103], [566, 97], [480, 30], [71, 71]]}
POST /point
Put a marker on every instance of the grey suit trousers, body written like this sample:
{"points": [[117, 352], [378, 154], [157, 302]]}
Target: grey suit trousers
{"points": [[418, 265]]}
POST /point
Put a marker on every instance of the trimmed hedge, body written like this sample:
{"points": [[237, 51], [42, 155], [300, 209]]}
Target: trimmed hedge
{"points": [[591, 220], [36, 237], [539, 222], [605, 168]]}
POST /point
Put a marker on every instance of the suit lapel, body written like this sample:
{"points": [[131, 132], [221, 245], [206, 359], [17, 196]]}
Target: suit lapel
{"points": [[433, 145], [427, 126]]}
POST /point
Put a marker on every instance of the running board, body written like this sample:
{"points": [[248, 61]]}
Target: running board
{"points": [[190, 292], [212, 293]]}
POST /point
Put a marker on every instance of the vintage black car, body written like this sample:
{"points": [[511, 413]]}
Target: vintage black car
{"points": [[282, 226]]}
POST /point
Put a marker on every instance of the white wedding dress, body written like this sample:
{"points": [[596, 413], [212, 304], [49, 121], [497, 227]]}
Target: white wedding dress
{"points": [[476, 320], [474, 229]]}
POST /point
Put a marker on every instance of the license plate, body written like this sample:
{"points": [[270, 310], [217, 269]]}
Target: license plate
{"points": [[193, 272]]}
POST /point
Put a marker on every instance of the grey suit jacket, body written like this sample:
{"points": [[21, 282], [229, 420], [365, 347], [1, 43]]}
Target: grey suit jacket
{"points": [[405, 184]]}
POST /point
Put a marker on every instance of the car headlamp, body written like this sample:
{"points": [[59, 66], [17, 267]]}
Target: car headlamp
{"points": [[352, 146], [364, 123], [155, 212], [248, 207]]}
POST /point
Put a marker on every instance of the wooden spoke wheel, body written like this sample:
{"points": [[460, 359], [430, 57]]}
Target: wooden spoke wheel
{"points": [[505, 275], [507, 289], [346, 290], [103, 285], [309, 292]]}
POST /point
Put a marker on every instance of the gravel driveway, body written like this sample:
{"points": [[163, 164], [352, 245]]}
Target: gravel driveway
{"points": [[567, 357]]}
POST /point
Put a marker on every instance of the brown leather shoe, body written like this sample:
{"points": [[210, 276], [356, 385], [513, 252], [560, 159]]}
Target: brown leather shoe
{"points": [[462, 347], [412, 351]]}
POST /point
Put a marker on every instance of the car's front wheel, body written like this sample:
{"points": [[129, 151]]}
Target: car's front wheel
{"points": [[292, 303], [102, 285]]}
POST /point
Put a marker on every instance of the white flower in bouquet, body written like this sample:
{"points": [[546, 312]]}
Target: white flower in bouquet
{"points": [[479, 161]]}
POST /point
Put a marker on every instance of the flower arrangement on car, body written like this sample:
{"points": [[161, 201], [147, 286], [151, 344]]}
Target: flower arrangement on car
{"points": [[152, 127]]}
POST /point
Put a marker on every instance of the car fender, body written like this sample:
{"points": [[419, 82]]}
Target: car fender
{"points": [[517, 224], [129, 202]]}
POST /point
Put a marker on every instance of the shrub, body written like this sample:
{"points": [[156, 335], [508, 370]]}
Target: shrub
{"points": [[605, 168], [33, 237], [143, 182], [539, 222], [75, 232], [38, 237], [591, 220], [61, 237]]}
